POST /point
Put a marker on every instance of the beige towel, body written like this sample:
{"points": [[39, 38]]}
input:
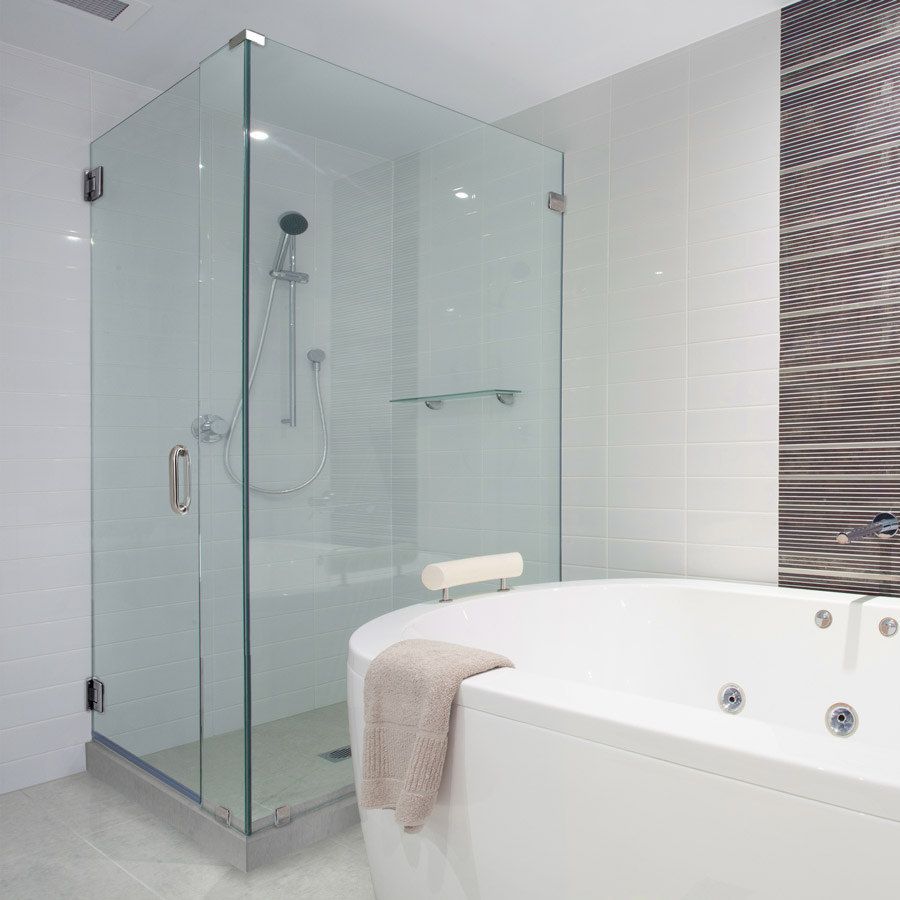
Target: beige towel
{"points": [[409, 690]]}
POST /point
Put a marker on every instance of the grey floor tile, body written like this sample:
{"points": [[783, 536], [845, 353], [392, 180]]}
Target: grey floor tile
{"points": [[330, 868], [84, 804], [29, 828], [80, 874], [79, 838], [180, 881]]}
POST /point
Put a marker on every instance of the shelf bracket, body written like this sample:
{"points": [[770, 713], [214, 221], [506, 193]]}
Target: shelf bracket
{"points": [[505, 398], [434, 404]]}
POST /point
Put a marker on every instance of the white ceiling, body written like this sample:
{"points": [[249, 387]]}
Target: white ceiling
{"points": [[488, 58]]}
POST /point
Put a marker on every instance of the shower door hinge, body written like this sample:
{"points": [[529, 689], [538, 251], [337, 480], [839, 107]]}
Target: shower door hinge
{"points": [[247, 35], [94, 693], [93, 184], [223, 814], [556, 202], [282, 815]]}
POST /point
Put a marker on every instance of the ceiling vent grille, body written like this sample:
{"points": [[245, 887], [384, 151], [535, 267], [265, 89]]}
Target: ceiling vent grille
{"points": [[105, 9]]}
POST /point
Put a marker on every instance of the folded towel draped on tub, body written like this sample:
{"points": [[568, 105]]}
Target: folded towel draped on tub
{"points": [[409, 690]]}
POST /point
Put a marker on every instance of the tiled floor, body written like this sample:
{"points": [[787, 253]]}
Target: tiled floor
{"points": [[287, 768], [79, 838]]}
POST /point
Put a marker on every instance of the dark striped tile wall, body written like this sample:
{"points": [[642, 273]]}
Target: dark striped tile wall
{"points": [[840, 294]]}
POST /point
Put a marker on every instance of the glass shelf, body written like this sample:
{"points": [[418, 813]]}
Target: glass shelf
{"points": [[435, 401]]}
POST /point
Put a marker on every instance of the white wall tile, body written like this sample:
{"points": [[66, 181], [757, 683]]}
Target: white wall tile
{"points": [[748, 354], [729, 391], [45, 595], [737, 320], [651, 78], [736, 81], [669, 103], [45, 77], [732, 459], [578, 105], [660, 140], [733, 184], [670, 330], [753, 564], [733, 217], [580, 135], [650, 557], [735, 494], [734, 286], [733, 423], [740, 251], [737, 529], [713, 152], [739, 115]]}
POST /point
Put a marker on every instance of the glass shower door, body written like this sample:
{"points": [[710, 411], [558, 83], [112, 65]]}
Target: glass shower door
{"points": [[145, 370]]}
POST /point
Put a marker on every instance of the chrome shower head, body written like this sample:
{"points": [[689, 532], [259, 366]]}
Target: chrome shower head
{"points": [[293, 223], [316, 356]]}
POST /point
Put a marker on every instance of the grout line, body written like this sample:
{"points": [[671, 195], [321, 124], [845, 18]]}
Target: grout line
{"points": [[120, 866]]}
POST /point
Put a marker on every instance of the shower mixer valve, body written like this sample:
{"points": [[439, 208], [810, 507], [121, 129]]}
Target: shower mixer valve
{"points": [[209, 429], [884, 526]]}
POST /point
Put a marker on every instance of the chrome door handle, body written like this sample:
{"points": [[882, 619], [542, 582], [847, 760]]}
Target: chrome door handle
{"points": [[178, 505]]}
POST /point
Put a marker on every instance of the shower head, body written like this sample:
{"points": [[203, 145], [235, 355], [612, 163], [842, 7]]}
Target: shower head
{"points": [[316, 356], [293, 223]]}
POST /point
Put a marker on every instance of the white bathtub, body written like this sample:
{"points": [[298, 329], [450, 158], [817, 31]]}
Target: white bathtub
{"points": [[602, 767]]}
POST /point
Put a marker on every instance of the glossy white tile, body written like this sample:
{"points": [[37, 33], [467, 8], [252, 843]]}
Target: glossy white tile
{"points": [[648, 79]]}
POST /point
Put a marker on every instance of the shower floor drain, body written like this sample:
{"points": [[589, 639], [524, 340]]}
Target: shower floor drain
{"points": [[337, 755]]}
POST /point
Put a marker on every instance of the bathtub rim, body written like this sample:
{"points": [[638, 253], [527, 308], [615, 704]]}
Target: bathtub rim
{"points": [[857, 777]]}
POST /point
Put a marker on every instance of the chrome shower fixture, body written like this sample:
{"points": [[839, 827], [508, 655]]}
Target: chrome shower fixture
{"points": [[284, 269], [291, 224]]}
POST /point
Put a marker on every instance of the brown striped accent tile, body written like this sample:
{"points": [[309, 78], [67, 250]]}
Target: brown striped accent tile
{"points": [[839, 336], [814, 29], [843, 279], [840, 292], [856, 56], [866, 179]]}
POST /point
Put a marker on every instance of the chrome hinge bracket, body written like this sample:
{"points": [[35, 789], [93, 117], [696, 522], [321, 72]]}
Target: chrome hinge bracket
{"points": [[247, 35], [93, 184], [94, 695], [556, 202], [282, 815], [223, 814]]}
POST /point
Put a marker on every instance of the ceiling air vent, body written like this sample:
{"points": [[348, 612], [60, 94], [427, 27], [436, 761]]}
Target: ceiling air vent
{"points": [[106, 9], [118, 12]]}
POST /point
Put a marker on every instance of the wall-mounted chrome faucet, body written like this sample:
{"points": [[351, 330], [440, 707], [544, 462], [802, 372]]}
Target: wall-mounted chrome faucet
{"points": [[884, 526]]}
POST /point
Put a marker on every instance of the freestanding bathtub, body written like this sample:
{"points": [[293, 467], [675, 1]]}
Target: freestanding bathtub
{"points": [[610, 764]]}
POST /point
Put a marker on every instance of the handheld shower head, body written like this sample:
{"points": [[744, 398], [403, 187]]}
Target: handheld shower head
{"points": [[293, 222], [316, 356]]}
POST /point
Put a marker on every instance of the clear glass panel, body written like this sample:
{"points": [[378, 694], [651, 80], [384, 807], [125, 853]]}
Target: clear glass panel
{"points": [[222, 358], [421, 259], [378, 248], [144, 337]]}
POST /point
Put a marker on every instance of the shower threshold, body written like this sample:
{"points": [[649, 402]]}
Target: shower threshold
{"points": [[314, 800]]}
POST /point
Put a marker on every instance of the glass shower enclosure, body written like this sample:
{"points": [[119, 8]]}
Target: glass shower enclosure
{"points": [[325, 352]]}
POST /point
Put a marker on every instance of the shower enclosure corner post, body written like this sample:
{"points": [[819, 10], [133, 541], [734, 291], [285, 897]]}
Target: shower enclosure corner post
{"points": [[247, 48]]}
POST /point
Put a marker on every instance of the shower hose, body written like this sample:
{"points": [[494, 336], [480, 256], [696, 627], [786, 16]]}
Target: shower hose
{"points": [[239, 407]]}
